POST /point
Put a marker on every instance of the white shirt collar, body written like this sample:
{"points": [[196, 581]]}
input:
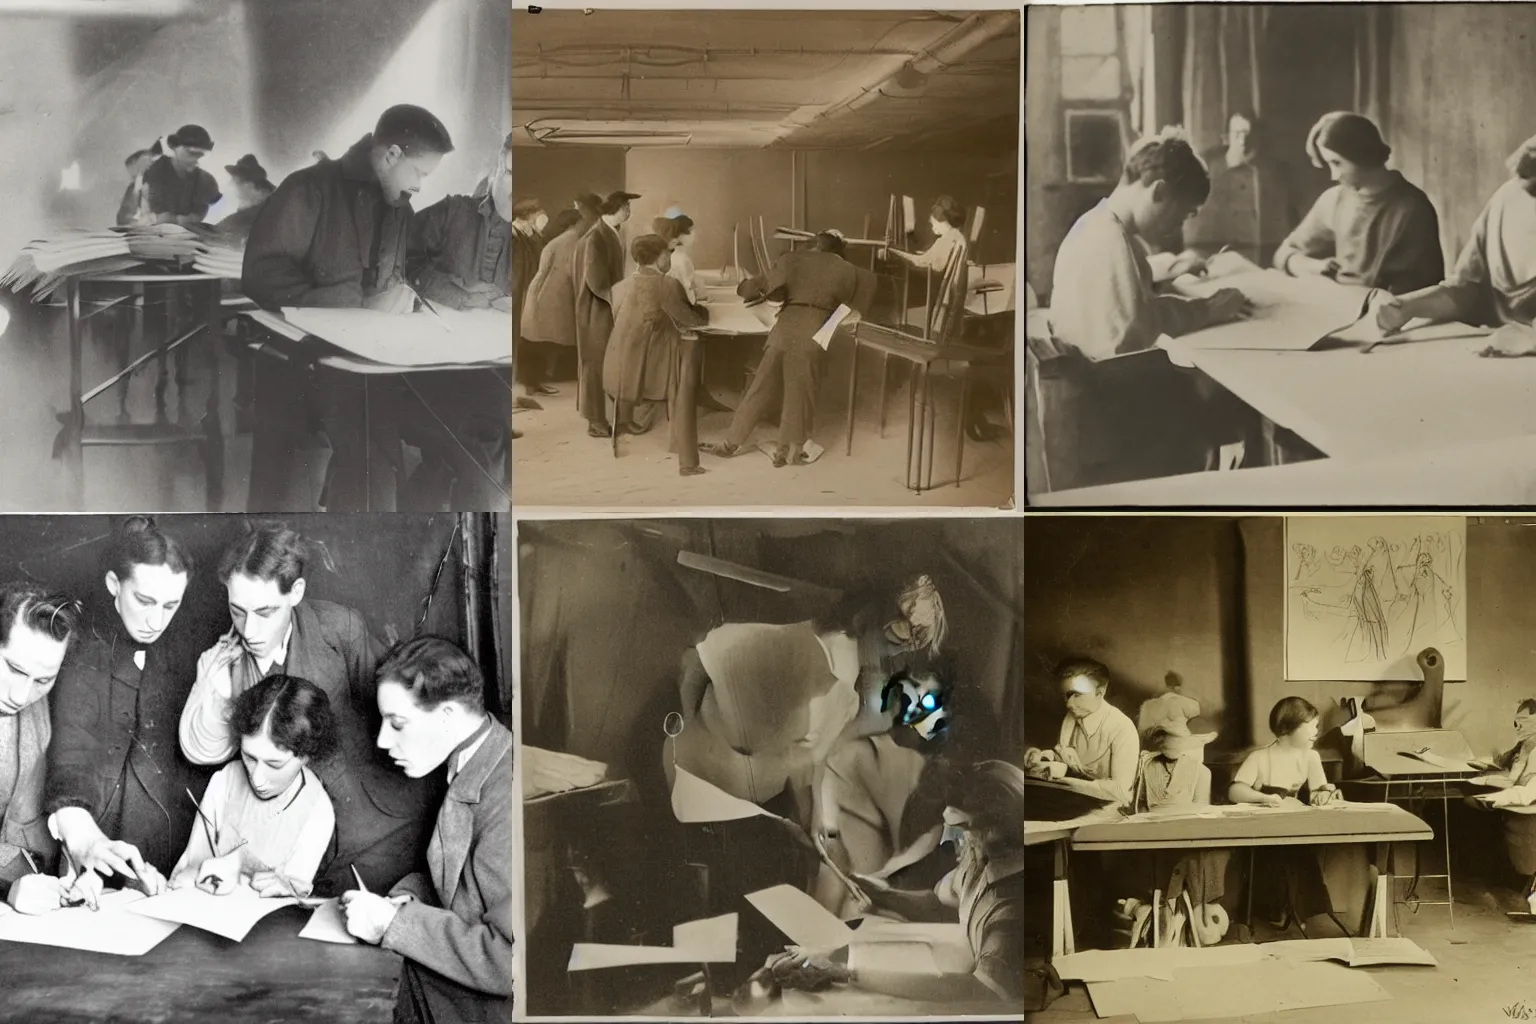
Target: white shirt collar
{"points": [[467, 753], [279, 655]]}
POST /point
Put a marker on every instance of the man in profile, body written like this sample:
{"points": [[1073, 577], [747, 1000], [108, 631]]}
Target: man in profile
{"points": [[335, 234]]}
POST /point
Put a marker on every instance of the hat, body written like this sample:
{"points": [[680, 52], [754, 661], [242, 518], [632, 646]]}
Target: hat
{"points": [[247, 168], [620, 197], [589, 201], [193, 135]]}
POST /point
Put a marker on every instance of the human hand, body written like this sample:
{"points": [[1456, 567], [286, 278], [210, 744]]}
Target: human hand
{"points": [[1390, 315], [1300, 265], [93, 853], [794, 968], [1226, 305], [36, 894], [81, 888], [1322, 796], [219, 876], [274, 884], [1069, 757], [213, 665], [1189, 262], [186, 878], [368, 915], [151, 882], [1273, 800]]}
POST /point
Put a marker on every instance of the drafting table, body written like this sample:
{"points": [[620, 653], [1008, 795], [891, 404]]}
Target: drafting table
{"points": [[1413, 782], [1059, 835], [922, 414], [194, 977], [204, 293], [290, 344], [1499, 472], [1378, 827]]}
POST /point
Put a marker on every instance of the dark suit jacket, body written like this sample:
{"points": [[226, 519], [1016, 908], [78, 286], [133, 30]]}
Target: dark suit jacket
{"points": [[448, 241], [326, 237], [459, 927], [811, 284], [599, 265]]}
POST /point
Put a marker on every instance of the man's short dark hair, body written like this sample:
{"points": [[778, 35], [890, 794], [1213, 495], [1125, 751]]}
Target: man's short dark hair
{"points": [[269, 551], [415, 130], [647, 249], [434, 670], [53, 615], [1169, 158], [827, 241], [1085, 667]]}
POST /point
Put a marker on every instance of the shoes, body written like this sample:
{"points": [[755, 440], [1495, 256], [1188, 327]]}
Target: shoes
{"points": [[780, 457], [547, 390], [599, 430], [723, 449], [690, 470]]}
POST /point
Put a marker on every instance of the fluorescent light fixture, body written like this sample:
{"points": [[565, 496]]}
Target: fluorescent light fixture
{"points": [[558, 136]]}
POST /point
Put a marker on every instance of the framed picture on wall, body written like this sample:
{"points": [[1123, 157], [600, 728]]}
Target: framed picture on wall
{"points": [[1095, 145]]}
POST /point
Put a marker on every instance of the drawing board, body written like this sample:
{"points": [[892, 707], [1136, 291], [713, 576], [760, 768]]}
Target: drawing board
{"points": [[1365, 594]]}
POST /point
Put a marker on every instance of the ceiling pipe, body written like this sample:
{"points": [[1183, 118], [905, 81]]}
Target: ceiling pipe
{"points": [[970, 35], [158, 9]]}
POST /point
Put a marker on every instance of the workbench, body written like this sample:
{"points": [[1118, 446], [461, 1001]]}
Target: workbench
{"points": [[195, 977]]}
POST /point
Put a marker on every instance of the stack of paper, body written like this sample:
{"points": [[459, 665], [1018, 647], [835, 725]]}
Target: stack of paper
{"points": [[549, 771], [163, 242], [1354, 952], [45, 264], [711, 940], [446, 339], [220, 260]]}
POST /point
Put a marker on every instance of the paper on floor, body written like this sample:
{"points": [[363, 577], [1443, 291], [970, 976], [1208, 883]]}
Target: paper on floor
{"points": [[807, 923], [1114, 964], [1232, 992], [695, 801], [112, 929], [328, 924], [231, 916]]}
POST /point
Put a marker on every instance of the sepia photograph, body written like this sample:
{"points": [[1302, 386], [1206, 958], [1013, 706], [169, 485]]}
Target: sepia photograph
{"points": [[254, 770], [257, 255], [1279, 255], [1279, 768], [772, 768], [766, 257]]}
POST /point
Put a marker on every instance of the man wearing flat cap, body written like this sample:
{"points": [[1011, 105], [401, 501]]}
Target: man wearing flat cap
{"points": [[177, 190], [334, 234], [599, 266], [251, 187]]}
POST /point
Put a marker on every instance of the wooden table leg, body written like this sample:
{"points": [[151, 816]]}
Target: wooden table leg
{"points": [[74, 449], [965, 400], [1063, 937], [853, 391], [912, 433], [685, 425], [213, 429], [931, 425], [885, 383]]}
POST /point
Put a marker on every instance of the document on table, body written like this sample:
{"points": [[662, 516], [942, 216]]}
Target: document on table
{"points": [[112, 929], [1289, 314], [328, 924], [474, 337], [797, 915], [231, 916], [710, 940], [734, 317]]}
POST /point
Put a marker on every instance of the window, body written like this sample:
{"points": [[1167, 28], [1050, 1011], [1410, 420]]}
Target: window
{"points": [[1091, 67]]}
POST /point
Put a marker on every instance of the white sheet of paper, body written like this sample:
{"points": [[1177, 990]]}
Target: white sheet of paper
{"points": [[1234, 992], [807, 923], [709, 940], [592, 956], [695, 801], [478, 337], [908, 213], [1289, 314], [1389, 950], [231, 916], [112, 929], [328, 924], [823, 336], [1094, 965]]}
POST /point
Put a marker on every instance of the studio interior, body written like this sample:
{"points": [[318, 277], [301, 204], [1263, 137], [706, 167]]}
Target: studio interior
{"points": [[1389, 653], [760, 129], [611, 615], [91, 87]]}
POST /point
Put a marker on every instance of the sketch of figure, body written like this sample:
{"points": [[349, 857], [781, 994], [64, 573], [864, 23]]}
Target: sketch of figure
{"points": [[1364, 635], [1427, 615], [1307, 562]]}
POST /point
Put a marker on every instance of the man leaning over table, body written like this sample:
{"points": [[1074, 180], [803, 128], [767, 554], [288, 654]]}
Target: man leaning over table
{"points": [[1099, 748], [334, 234]]}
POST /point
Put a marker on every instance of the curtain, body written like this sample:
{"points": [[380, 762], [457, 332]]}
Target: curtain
{"points": [[1223, 61]]}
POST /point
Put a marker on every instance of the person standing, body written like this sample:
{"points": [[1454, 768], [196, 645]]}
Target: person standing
{"points": [[131, 210], [334, 234], [177, 190], [811, 285], [252, 187], [548, 317], [598, 266]]}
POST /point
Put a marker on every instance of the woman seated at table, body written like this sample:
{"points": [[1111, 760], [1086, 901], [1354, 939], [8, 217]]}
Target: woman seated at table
{"points": [[1372, 228], [1289, 772], [266, 820], [1494, 280], [1515, 778], [985, 819]]}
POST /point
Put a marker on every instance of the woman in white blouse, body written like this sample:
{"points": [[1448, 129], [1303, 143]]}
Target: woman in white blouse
{"points": [[947, 221]]}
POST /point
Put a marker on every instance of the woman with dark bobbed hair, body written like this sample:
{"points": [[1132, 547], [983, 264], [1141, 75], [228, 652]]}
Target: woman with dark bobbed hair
{"points": [[1372, 227], [1494, 280]]}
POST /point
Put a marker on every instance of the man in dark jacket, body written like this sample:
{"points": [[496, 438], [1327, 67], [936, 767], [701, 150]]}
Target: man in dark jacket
{"points": [[811, 284], [599, 266], [334, 234]]}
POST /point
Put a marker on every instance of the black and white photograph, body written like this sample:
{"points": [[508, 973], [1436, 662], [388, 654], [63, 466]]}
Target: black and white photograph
{"points": [[1279, 768], [766, 257], [256, 255], [772, 767], [1279, 255], [256, 770]]}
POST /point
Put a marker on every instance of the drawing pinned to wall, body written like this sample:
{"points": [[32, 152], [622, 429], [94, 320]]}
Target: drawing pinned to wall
{"points": [[1365, 594]]}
